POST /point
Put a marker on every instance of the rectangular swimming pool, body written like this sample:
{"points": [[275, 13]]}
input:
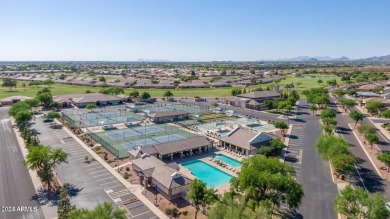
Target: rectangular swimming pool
{"points": [[208, 174], [228, 160]]}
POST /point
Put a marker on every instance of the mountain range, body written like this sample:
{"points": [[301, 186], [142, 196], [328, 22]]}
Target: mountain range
{"points": [[327, 58]]}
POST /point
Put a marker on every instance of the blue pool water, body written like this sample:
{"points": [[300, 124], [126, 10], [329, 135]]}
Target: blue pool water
{"points": [[208, 174], [223, 132], [228, 160]]}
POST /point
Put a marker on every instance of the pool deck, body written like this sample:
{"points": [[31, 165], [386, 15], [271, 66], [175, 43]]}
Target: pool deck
{"points": [[206, 158]]}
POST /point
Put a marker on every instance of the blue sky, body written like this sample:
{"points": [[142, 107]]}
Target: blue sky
{"points": [[197, 30]]}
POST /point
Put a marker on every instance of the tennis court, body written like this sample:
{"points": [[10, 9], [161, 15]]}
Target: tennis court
{"points": [[102, 116], [120, 140], [150, 109]]}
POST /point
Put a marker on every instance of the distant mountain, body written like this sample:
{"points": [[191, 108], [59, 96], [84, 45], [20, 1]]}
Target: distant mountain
{"points": [[376, 59], [310, 59], [153, 60]]}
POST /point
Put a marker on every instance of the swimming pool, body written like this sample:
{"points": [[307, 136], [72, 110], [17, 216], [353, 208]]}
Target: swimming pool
{"points": [[208, 174], [223, 132], [261, 127], [228, 160]]}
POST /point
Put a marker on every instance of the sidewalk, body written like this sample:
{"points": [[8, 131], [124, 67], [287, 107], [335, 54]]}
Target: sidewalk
{"points": [[372, 154], [50, 212], [135, 189]]}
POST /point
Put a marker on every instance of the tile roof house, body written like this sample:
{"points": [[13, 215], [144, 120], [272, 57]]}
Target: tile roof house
{"points": [[253, 100], [245, 141], [154, 172], [82, 100]]}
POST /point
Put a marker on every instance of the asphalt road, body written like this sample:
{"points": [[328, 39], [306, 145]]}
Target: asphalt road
{"points": [[315, 177], [16, 188], [366, 175]]}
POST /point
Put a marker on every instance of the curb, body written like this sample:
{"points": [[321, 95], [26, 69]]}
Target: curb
{"points": [[33, 173], [365, 151]]}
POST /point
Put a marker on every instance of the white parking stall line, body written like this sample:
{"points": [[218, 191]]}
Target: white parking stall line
{"points": [[104, 184], [111, 187], [97, 171], [105, 179], [95, 167], [93, 164], [101, 174], [81, 155]]}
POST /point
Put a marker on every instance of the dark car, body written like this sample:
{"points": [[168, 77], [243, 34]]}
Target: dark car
{"points": [[291, 159], [46, 120]]}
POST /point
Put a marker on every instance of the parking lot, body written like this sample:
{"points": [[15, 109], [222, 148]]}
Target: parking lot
{"points": [[294, 151], [89, 183]]}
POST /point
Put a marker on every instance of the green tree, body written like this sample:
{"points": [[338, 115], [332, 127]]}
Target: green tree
{"points": [[17, 107], [329, 129], [101, 211], [45, 98], [356, 116], [214, 104], [269, 104], [134, 94], [378, 89], [53, 115], [372, 139], [252, 71], [332, 82], [48, 82], [340, 92], [10, 83], [328, 113], [32, 102], [23, 117], [385, 158], [346, 103], [282, 126], [313, 108], [64, 205], [91, 106], [24, 86], [200, 195], [386, 114], [277, 145], [319, 81], [232, 206], [265, 179], [145, 95], [344, 164], [299, 84], [236, 91], [331, 146], [374, 105], [45, 158], [366, 129], [357, 203], [168, 94]]}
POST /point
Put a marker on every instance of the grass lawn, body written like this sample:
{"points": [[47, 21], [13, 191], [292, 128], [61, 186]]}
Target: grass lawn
{"points": [[58, 89]]}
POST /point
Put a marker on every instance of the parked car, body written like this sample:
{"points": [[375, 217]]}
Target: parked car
{"points": [[46, 120]]}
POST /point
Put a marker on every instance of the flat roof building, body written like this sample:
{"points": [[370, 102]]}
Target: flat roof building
{"points": [[169, 116]]}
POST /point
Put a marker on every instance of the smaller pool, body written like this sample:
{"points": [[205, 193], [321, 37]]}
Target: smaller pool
{"points": [[208, 174], [228, 160], [223, 132]]}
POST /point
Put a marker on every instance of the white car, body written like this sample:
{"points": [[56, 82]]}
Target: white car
{"points": [[387, 206]]}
